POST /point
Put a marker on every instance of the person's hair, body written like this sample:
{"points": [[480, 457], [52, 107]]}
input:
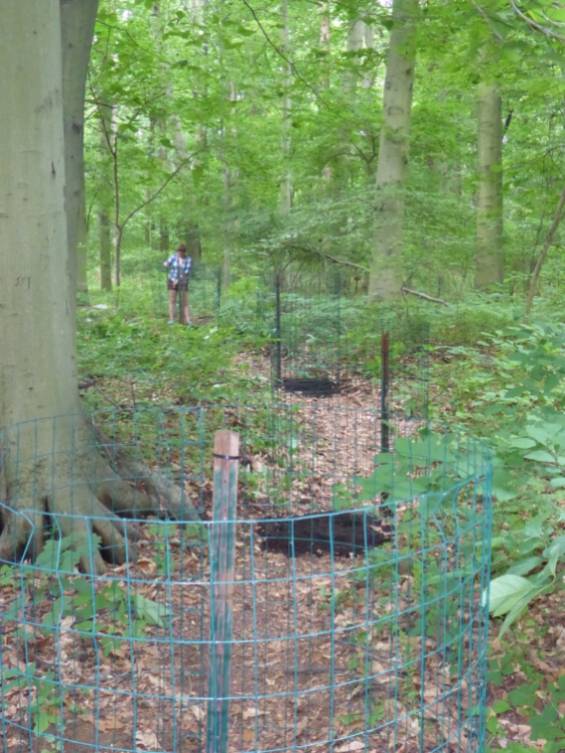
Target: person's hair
{"points": [[181, 247]]}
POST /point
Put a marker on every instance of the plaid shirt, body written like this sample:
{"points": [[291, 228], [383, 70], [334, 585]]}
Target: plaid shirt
{"points": [[179, 269]]}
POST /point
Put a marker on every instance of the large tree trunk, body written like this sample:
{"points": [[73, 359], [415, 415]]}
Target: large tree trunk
{"points": [[48, 466], [489, 249], [77, 29], [37, 314], [385, 278]]}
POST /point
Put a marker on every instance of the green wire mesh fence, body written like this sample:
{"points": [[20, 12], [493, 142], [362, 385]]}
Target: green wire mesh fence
{"points": [[317, 338], [336, 601], [307, 330], [310, 325]]}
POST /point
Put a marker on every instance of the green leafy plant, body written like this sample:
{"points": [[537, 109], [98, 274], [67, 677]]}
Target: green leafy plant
{"points": [[511, 593], [108, 611]]}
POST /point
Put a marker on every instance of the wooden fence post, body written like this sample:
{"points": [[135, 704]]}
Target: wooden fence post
{"points": [[222, 574]]}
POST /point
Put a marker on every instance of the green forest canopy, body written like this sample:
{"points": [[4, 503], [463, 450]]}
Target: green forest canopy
{"points": [[245, 102]]}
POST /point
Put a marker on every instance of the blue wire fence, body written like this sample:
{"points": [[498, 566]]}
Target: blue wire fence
{"points": [[353, 601]]}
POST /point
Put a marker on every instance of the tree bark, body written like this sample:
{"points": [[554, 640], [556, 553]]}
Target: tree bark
{"points": [[355, 42], [38, 375], [38, 378], [385, 278], [489, 264], [77, 30]]}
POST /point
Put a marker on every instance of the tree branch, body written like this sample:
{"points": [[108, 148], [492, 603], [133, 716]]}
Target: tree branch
{"points": [[424, 296], [485, 15], [532, 288], [334, 259], [161, 188], [545, 30], [282, 54]]}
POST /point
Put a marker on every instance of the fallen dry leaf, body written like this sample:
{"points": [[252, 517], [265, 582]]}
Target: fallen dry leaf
{"points": [[198, 712], [147, 740], [349, 746], [251, 713]]}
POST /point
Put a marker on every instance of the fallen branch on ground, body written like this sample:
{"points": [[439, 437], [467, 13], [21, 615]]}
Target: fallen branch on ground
{"points": [[424, 296]]}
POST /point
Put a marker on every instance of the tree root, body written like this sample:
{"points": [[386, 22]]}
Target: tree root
{"points": [[81, 495]]}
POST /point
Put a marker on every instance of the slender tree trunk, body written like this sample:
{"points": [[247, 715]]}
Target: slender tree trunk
{"points": [[325, 44], [230, 180], [105, 224], [534, 279], [164, 239], [105, 231], [195, 197], [489, 267], [325, 41], [162, 125], [286, 180], [193, 240], [355, 42], [385, 277], [77, 30], [227, 226], [147, 226]]}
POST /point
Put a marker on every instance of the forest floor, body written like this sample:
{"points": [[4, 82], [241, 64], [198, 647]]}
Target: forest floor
{"points": [[320, 660]]}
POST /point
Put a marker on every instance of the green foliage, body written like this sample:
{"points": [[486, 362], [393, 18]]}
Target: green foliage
{"points": [[146, 57], [511, 594], [511, 392], [534, 702], [415, 468], [104, 612], [133, 347]]}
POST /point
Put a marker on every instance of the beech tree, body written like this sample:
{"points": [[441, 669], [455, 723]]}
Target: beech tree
{"points": [[38, 377], [489, 218], [385, 273], [489, 254], [77, 29]]}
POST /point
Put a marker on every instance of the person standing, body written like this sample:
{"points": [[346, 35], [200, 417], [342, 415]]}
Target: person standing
{"points": [[178, 266]]}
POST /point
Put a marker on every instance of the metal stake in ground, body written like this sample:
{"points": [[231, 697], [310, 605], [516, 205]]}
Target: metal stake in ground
{"points": [[222, 573], [385, 383], [278, 333]]}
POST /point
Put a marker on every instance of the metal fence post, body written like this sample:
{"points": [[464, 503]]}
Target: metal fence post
{"points": [[278, 335], [385, 384]]}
